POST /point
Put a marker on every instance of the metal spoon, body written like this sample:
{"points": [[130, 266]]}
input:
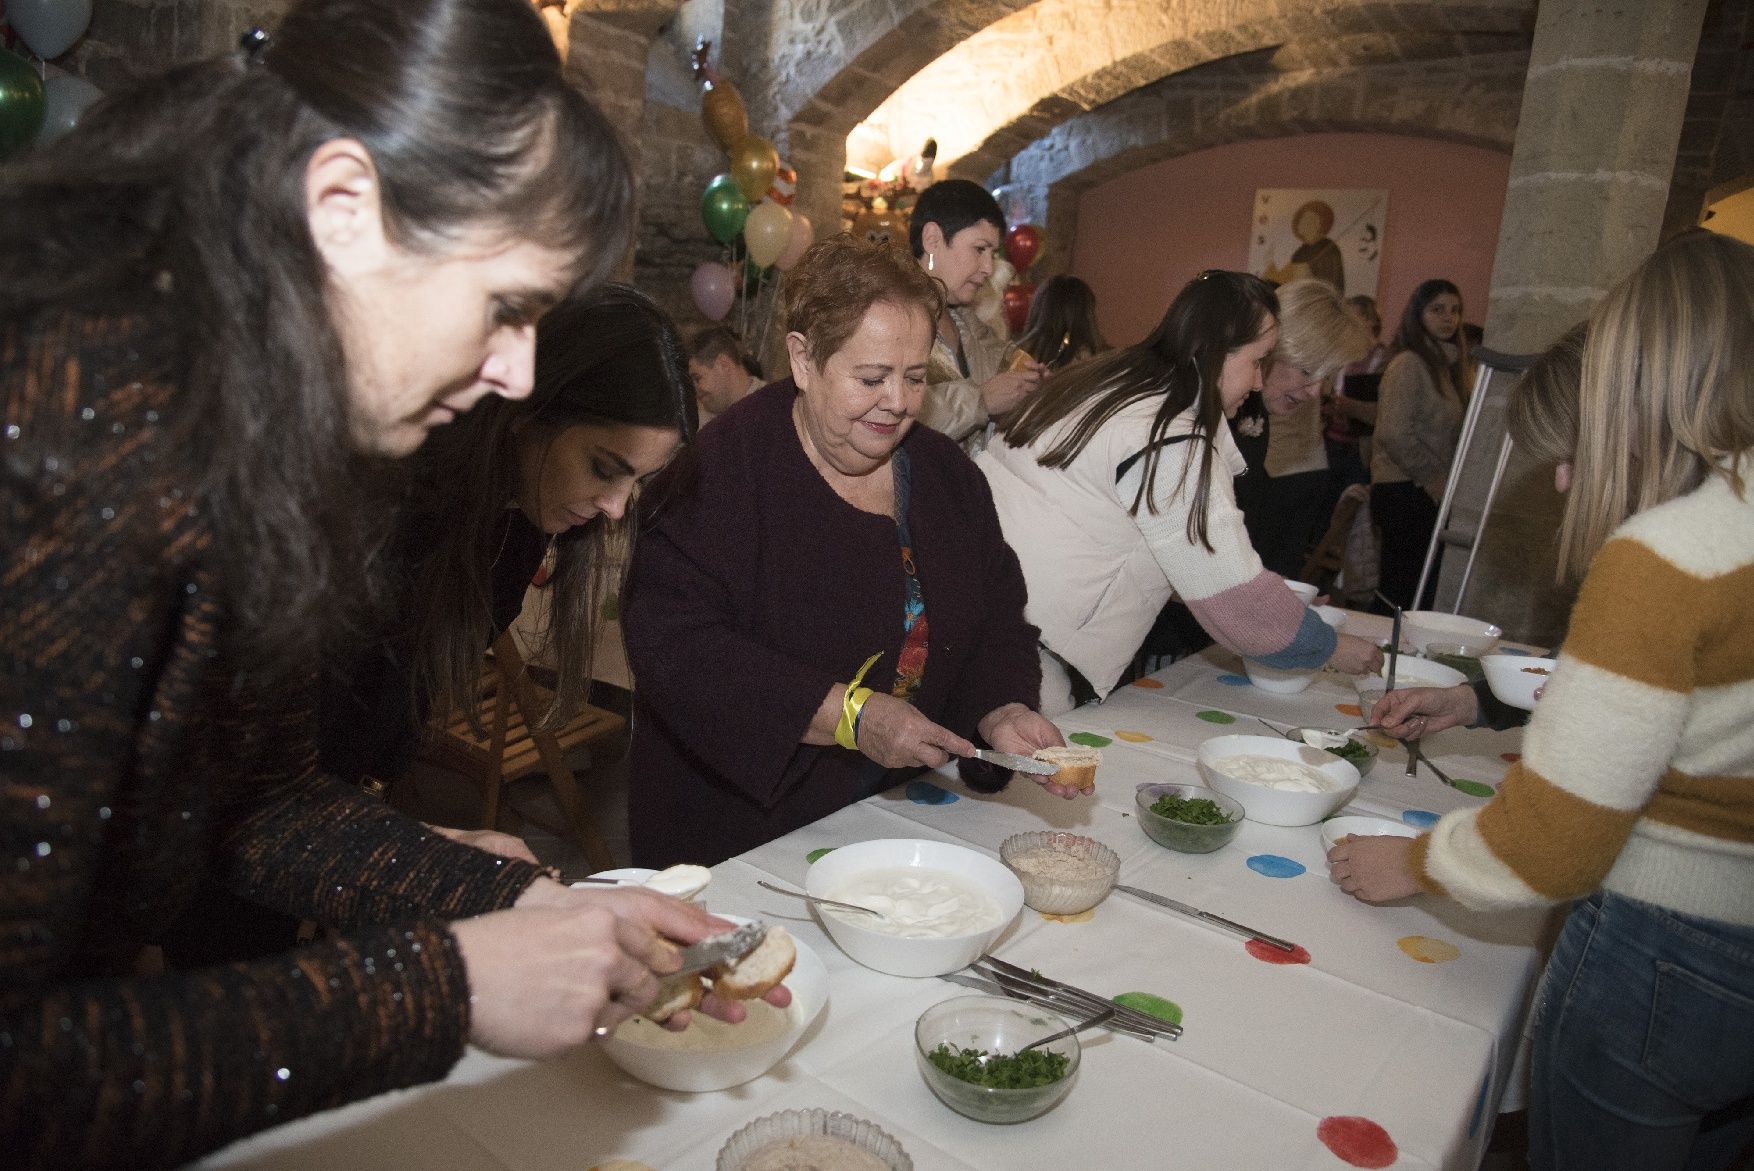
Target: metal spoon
{"points": [[798, 894], [1086, 1023]]}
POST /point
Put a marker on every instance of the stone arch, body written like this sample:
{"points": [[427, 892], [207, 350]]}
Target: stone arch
{"points": [[1474, 101], [1140, 42]]}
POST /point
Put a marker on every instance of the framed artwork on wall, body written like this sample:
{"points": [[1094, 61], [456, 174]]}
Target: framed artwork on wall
{"points": [[1334, 234]]}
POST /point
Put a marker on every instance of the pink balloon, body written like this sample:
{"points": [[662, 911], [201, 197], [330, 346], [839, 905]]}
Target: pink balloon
{"points": [[801, 237], [713, 287]]}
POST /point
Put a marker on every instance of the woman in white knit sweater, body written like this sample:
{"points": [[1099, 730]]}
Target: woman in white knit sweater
{"points": [[1113, 485], [1635, 792]]}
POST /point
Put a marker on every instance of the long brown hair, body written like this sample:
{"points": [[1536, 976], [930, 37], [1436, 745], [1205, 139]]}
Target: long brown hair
{"points": [[610, 357], [1667, 395], [1412, 337], [1062, 323], [181, 204], [1181, 361]]}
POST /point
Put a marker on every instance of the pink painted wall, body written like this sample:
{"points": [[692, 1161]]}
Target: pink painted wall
{"points": [[1144, 235]]}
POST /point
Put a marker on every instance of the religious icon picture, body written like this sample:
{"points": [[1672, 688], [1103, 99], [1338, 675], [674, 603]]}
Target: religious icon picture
{"points": [[1332, 234]]}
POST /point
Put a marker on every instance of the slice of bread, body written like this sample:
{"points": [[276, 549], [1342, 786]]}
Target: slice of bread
{"points": [[758, 972], [1077, 765], [675, 994]]}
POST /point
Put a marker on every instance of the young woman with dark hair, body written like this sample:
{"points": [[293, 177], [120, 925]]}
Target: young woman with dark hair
{"points": [[1062, 325], [495, 493], [1113, 485], [955, 231], [1420, 403], [219, 297]]}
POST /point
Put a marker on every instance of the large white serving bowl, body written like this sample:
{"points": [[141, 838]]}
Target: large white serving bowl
{"points": [[892, 953], [671, 1062], [1412, 672], [1277, 806], [1421, 628], [1305, 592], [1332, 615], [1514, 679], [1278, 680]]}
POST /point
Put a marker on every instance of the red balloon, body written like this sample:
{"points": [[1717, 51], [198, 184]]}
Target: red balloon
{"points": [[1022, 244], [1017, 299]]}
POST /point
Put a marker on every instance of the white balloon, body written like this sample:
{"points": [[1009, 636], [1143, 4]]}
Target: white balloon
{"points": [[65, 98], [49, 27]]}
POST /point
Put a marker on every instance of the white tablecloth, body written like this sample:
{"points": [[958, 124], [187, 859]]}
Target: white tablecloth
{"points": [[1401, 1027]]}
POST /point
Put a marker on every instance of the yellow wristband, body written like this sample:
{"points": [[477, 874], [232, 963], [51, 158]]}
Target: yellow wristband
{"points": [[851, 704]]}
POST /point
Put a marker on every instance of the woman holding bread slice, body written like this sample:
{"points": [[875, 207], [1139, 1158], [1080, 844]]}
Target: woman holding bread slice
{"points": [[825, 605], [1113, 484]]}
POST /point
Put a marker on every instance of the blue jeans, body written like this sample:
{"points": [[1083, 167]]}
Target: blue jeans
{"points": [[1643, 1042]]}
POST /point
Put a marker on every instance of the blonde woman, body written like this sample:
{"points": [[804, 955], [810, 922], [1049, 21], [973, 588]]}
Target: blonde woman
{"points": [[1635, 792], [1282, 496]]}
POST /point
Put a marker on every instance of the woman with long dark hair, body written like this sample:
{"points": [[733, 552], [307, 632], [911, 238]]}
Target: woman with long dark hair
{"points": [[1420, 403], [491, 497], [221, 297], [1113, 484], [1062, 325]]}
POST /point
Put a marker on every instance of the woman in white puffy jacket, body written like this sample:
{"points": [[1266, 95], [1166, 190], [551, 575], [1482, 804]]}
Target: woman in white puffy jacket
{"points": [[1113, 485]]}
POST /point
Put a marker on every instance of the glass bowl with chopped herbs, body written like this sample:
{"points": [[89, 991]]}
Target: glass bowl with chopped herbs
{"points": [[968, 1052], [1355, 748], [1189, 818]]}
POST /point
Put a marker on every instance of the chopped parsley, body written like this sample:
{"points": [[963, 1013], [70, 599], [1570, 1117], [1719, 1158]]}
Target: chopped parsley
{"points": [[1352, 751], [1020, 1071], [1189, 811]]}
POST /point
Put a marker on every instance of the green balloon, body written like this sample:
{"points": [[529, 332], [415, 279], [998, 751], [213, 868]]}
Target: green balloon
{"points": [[21, 103], [724, 209]]}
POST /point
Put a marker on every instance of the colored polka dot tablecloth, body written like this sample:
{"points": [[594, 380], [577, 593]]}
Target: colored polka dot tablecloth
{"points": [[1385, 1037]]}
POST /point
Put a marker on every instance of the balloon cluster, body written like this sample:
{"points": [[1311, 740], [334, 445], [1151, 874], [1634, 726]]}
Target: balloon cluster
{"points": [[34, 108], [1022, 246], [748, 207]]}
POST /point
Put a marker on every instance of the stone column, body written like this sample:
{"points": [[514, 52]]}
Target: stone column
{"points": [[1595, 149]]}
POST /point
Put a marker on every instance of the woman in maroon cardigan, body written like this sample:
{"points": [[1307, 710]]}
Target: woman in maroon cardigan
{"points": [[818, 528]]}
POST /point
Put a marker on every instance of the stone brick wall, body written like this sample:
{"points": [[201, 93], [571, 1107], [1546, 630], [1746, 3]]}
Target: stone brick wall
{"points": [[131, 38]]}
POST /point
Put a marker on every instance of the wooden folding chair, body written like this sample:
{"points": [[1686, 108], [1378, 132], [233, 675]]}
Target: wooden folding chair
{"points": [[1329, 556], [511, 749]]}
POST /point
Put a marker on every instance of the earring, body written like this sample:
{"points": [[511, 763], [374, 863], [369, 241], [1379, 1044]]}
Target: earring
{"points": [[930, 259]]}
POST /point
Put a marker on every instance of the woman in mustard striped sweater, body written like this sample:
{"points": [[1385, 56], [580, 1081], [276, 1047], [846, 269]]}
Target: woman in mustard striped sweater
{"points": [[1635, 792]]}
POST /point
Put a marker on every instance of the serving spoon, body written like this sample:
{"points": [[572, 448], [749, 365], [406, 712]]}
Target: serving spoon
{"points": [[798, 894], [1087, 1023]]}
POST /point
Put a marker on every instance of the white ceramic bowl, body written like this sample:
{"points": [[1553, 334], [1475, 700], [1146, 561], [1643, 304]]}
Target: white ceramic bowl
{"points": [[1332, 615], [796, 1124], [623, 876], [892, 953], [1421, 628], [1278, 680], [1305, 592], [1414, 672], [1277, 806], [1514, 679], [667, 1060], [1336, 828]]}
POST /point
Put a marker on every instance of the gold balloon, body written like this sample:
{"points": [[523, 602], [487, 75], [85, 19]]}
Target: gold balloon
{"points": [[754, 162], [721, 109]]}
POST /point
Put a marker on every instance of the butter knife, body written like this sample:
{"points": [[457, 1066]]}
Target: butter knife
{"points": [[716, 949], [1208, 916], [1017, 764]]}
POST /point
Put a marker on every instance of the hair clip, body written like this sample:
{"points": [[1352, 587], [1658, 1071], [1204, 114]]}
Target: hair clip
{"points": [[253, 44]]}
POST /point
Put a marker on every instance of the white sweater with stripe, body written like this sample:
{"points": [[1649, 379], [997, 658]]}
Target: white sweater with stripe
{"points": [[1637, 773]]}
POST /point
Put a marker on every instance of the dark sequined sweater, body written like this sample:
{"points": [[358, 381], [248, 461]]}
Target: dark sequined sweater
{"points": [[131, 765]]}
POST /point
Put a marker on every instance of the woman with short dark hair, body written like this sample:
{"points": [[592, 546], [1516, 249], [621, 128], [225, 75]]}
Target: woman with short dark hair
{"points": [[829, 606], [956, 231], [221, 296]]}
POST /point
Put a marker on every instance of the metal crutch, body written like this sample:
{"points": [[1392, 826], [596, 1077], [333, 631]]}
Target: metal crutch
{"points": [[1491, 361]]}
